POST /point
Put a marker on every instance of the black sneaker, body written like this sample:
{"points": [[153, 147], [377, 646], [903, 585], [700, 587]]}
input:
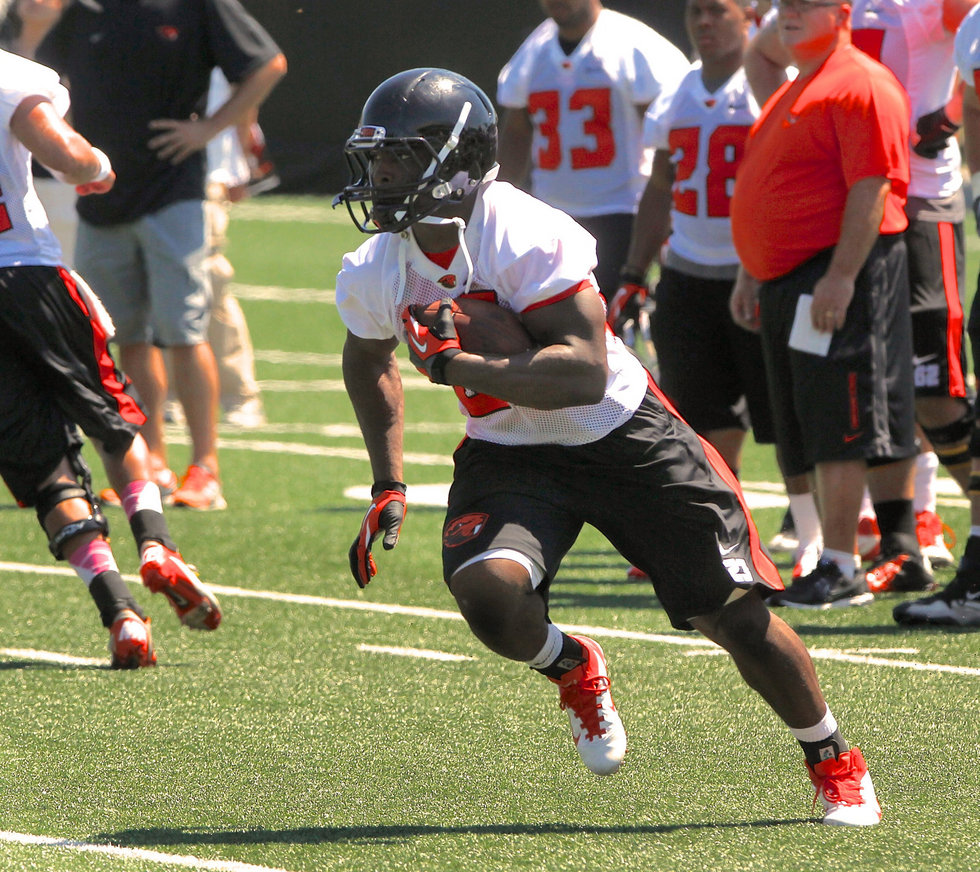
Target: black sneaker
{"points": [[900, 572], [824, 588], [958, 605]]}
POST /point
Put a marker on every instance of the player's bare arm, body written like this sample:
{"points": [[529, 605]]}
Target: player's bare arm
{"points": [[375, 388], [863, 212], [180, 138], [514, 147], [567, 369], [37, 124], [766, 60], [652, 225]]}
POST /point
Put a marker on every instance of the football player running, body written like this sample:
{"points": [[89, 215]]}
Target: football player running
{"points": [[56, 373], [569, 432]]}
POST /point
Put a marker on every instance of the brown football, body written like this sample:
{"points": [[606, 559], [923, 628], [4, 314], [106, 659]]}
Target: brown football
{"points": [[483, 327]]}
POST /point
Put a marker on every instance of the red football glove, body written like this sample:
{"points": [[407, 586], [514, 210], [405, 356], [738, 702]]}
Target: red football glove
{"points": [[628, 299], [386, 513], [431, 348]]}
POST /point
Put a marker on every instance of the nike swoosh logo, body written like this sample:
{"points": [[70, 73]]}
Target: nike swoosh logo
{"points": [[850, 437], [726, 551], [419, 347], [918, 361]]}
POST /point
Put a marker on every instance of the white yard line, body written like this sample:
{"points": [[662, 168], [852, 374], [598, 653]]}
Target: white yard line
{"points": [[862, 656], [129, 854]]}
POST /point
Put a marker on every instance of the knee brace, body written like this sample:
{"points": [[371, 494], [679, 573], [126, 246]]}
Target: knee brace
{"points": [[954, 443], [59, 492]]}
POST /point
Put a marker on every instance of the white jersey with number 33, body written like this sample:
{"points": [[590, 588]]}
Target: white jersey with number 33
{"points": [[585, 108]]}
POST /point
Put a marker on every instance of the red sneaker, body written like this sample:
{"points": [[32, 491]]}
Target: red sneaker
{"points": [[868, 538], [596, 727], [200, 490], [130, 642], [163, 571], [932, 535], [900, 572], [845, 789]]}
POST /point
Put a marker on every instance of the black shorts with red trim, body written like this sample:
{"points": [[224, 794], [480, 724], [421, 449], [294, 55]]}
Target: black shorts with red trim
{"points": [[662, 496], [711, 369], [55, 372], [937, 271], [857, 403]]}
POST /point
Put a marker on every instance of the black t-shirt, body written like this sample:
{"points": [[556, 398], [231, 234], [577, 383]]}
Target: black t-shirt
{"points": [[128, 62]]}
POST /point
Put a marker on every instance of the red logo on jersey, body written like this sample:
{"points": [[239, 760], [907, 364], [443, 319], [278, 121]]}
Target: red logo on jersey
{"points": [[168, 32], [460, 530], [710, 102], [448, 281]]}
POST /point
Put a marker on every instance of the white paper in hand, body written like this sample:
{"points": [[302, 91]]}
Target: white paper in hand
{"points": [[803, 336]]}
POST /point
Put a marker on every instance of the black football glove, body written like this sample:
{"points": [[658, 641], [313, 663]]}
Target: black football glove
{"points": [[432, 348], [629, 298], [385, 515], [934, 131]]}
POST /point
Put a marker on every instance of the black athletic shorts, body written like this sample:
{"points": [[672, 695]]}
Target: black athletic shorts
{"points": [[55, 372], [711, 369], [857, 403], [662, 496], [937, 269]]}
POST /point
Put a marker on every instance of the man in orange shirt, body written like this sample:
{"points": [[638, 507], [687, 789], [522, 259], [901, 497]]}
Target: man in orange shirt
{"points": [[817, 220]]}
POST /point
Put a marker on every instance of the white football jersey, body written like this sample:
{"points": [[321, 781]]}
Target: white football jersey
{"points": [[908, 37], [530, 255], [585, 108], [705, 133], [26, 238]]}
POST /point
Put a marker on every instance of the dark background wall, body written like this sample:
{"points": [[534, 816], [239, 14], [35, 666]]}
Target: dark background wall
{"points": [[339, 50]]}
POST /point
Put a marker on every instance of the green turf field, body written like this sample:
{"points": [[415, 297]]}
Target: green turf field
{"points": [[325, 728]]}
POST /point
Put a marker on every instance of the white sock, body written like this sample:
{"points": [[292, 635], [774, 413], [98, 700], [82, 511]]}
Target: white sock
{"points": [[550, 651], [926, 470], [844, 559], [822, 729], [806, 519]]}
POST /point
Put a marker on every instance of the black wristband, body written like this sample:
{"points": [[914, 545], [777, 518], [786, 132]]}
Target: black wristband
{"points": [[382, 486], [631, 276], [437, 372]]}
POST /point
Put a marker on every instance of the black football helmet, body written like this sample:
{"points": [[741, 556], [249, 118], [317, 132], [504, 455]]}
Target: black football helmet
{"points": [[436, 123]]}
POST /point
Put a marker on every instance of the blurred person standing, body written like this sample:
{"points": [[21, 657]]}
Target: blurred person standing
{"points": [[573, 96], [139, 73], [818, 220], [958, 604], [57, 375], [229, 175], [914, 39], [710, 368]]}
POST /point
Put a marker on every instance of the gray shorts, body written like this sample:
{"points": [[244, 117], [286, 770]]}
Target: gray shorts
{"points": [[151, 274]]}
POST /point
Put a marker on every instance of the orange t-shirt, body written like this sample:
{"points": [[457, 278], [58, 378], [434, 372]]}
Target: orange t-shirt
{"points": [[815, 138]]}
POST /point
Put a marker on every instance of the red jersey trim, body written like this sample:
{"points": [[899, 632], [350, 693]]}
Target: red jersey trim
{"points": [[760, 559], [581, 286]]}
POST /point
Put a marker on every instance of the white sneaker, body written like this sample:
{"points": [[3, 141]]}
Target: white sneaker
{"points": [[844, 787], [248, 415], [957, 605], [596, 726]]}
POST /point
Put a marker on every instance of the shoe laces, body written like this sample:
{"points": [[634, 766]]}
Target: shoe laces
{"points": [[584, 698], [839, 782]]}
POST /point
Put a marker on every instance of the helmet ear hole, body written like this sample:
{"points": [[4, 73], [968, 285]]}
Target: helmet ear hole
{"points": [[440, 117]]}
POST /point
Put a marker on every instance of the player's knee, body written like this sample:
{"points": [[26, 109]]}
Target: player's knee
{"points": [[493, 592], [955, 442], [47, 499]]}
